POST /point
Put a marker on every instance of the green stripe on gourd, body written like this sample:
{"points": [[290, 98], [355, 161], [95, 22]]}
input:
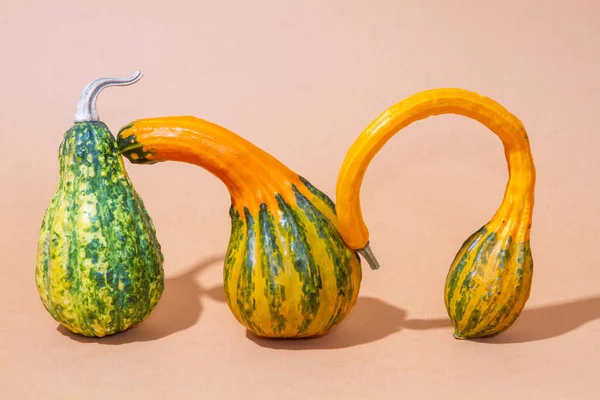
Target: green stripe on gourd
{"points": [[273, 281], [488, 283]]}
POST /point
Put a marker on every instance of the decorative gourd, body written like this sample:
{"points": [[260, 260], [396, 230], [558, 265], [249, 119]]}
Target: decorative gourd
{"points": [[99, 264], [490, 278], [287, 270]]}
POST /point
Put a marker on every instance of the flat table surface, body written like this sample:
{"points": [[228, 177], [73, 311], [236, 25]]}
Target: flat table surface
{"points": [[301, 81]]}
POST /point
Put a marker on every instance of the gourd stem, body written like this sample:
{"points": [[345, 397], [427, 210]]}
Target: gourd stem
{"points": [[86, 108], [368, 255]]}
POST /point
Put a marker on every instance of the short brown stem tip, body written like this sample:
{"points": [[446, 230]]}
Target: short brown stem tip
{"points": [[368, 255]]}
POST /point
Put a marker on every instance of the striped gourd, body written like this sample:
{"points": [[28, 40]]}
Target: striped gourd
{"points": [[287, 271], [99, 264], [490, 278]]}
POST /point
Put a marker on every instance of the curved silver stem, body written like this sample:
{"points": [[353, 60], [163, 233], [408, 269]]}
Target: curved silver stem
{"points": [[86, 108], [368, 255]]}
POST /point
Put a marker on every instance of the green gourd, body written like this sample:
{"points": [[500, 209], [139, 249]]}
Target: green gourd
{"points": [[99, 264]]}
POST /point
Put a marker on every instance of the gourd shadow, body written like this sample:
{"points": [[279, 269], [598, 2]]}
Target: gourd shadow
{"points": [[536, 323], [373, 319], [179, 308], [369, 320]]}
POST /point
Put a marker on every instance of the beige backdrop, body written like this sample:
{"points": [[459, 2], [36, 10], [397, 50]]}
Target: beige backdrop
{"points": [[302, 81]]}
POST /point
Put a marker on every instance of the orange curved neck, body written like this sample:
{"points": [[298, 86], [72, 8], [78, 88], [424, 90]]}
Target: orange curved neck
{"points": [[251, 175], [518, 199]]}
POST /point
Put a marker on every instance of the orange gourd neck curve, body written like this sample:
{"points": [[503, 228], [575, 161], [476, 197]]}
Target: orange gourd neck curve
{"points": [[251, 175], [517, 205]]}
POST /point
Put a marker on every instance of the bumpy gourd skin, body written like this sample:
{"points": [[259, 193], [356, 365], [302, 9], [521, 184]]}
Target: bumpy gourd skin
{"points": [[488, 283], [287, 272], [99, 264]]}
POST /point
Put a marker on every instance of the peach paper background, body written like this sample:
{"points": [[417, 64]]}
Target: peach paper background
{"points": [[301, 80]]}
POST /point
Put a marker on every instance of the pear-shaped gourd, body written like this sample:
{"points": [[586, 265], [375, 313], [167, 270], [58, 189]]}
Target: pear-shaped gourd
{"points": [[287, 270], [99, 264], [490, 278]]}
